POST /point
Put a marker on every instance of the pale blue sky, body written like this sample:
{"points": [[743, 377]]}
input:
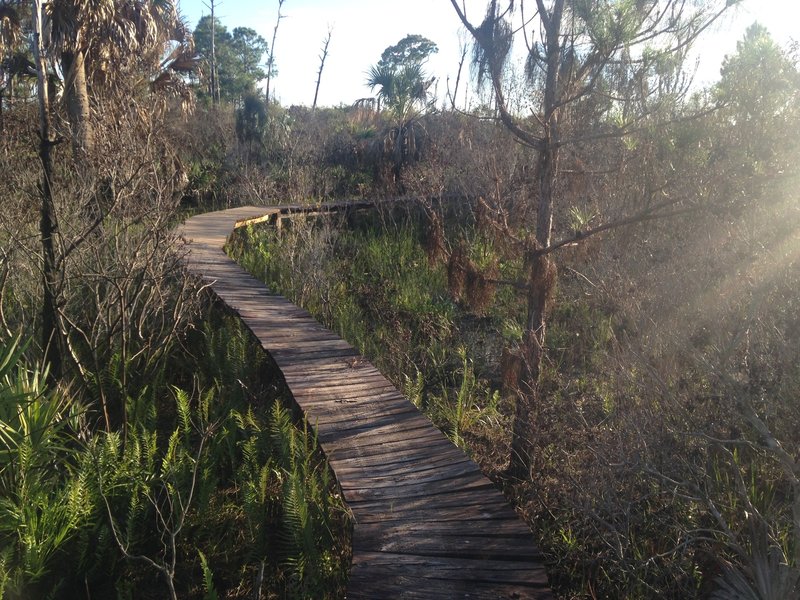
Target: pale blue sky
{"points": [[363, 28]]}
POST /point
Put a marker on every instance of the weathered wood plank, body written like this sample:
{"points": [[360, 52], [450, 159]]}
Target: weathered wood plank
{"points": [[427, 523], [436, 465], [378, 574]]}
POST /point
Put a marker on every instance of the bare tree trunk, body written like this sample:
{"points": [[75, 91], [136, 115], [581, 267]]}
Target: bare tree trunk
{"points": [[540, 280], [51, 332], [271, 60], [454, 96], [541, 269], [78, 109], [214, 83], [321, 66]]}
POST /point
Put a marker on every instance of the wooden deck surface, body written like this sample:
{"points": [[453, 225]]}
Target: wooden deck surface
{"points": [[428, 524]]}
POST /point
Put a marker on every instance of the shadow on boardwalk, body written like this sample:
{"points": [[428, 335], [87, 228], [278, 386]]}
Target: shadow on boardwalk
{"points": [[427, 523]]}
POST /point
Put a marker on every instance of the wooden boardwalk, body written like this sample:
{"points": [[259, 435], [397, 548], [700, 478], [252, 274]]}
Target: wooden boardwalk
{"points": [[428, 524]]}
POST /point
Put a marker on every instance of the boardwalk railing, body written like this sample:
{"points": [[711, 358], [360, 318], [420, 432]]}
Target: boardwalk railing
{"points": [[427, 522]]}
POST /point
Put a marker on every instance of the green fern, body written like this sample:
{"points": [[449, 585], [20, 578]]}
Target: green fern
{"points": [[282, 436], [209, 592], [5, 570], [182, 401], [298, 547]]}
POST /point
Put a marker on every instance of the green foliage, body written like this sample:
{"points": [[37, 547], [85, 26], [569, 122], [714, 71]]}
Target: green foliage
{"points": [[156, 494], [391, 270], [209, 593], [411, 50], [759, 81], [760, 88], [258, 480], [375, 286], [611, 22], [239, 57], [41, 508], [32, 419], [413, 388], [203, 175], [305, 532], [260, 448], [282, 496], [400, 78], [288, 505], [230, 359], [402, 90], [580, 334], [473, 403], [251, 124]]}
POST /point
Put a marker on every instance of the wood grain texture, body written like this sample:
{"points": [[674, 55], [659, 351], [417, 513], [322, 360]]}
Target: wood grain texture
{"points": [[427, 523]]}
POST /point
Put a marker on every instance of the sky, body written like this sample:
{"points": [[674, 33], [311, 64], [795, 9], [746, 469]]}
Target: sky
{"points": [[362, 29]]}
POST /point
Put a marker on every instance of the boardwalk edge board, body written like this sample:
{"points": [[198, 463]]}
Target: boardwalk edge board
{"points": [[427, 522]]}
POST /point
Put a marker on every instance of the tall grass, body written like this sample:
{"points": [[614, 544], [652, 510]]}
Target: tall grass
{"points": [[376, 288]]}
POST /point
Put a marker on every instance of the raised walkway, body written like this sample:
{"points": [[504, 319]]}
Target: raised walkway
{"points": [[427, 523]]}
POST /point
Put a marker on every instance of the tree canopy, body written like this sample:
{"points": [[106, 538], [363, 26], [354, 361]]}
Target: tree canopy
{"points": [[411, 50], [596, 70], [760, 79], [239, 56], [399, 75]]}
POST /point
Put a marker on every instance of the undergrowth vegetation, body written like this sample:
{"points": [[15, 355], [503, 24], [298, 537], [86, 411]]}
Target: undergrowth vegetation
{"points": [[381, 293], [216, 489], [587, 278], [632, 495]]}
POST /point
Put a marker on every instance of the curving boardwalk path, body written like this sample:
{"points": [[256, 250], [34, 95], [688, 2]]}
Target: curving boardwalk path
{"points": [[428, 524]]}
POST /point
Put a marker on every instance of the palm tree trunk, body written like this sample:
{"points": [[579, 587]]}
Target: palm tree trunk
{"points": [[78, 109]]}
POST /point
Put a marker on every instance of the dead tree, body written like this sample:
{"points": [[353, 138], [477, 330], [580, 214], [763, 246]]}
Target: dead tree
{"points": [[322, 58]]}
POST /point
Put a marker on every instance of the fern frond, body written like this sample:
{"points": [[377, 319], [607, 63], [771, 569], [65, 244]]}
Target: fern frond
{"points": [[209, 592], [184, 410]]}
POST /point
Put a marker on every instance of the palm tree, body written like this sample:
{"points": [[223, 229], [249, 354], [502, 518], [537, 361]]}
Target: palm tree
{"points": [[9, 39], [95, 39], [403, 91], [90, 40]]}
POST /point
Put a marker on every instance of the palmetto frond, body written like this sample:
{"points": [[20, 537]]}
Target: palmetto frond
{"points": [[182, 59], [170, 84], [400, 89], [773, 580], [109, 28], [382, 77], [766, 575], [73, 23], [412, 80]]}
